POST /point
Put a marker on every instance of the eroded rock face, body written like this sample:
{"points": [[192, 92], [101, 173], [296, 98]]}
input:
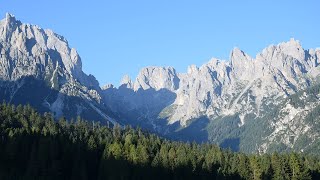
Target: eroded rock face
{"points": [[29, 51], [28, 46], [157, 78]]}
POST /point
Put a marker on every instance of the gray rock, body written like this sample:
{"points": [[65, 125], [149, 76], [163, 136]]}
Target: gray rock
{"points": [[29, 51]]}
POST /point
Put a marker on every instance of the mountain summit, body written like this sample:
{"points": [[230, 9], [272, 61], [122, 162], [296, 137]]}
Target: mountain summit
{"points": [[38, 67]]}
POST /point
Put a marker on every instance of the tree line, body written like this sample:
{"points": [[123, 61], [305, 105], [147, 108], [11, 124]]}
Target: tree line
{"points": [[36, 146]]}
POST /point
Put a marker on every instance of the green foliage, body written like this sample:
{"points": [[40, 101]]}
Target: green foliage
{"points": [[34, 146]]}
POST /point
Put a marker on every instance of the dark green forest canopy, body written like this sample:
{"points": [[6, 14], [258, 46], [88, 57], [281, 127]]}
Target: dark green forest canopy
{"points": [[35, 146]]}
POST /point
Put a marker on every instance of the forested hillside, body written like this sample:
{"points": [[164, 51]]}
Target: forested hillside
{"points": [[35, 146]]}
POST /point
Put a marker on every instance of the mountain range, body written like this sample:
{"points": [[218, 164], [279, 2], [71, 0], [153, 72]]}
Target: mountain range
{"points": [[251, 104]]}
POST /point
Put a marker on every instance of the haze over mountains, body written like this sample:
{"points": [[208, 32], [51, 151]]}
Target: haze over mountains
{"points": [[266, 103]]}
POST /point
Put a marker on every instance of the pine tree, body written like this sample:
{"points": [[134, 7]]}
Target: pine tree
{"points": [[244, 166], [142, 154], [298, 172], [255, 167], [172, 158], [115, 149], [92, 145]]}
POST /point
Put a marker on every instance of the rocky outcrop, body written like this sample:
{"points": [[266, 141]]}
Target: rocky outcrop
{"points": [[157, 78]]}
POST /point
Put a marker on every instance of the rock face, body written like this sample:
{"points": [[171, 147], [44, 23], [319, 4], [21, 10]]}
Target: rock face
{"points": [[235, 92], [157, 78], [31, 55]]}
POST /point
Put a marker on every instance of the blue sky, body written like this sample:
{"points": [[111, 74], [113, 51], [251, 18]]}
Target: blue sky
{"points": [[120, 37]]}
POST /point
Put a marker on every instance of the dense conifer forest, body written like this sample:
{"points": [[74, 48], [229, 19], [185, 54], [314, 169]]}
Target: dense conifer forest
{"points": [[35, 146]]}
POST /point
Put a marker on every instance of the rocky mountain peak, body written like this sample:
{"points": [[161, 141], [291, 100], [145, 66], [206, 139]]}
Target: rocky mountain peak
{"points": [[9, 21], [10, 18], [238, 56], [241, 63], [292, 48], [30, 45], [37, 66], [107, 86], [157, 78], [193, 69], [126, 81]]}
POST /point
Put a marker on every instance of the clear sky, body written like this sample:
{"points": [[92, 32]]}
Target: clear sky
{"points": [[120, 37]]}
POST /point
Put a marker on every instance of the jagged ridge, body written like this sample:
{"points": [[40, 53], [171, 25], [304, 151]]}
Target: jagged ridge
{"points": [[241, 88]]}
